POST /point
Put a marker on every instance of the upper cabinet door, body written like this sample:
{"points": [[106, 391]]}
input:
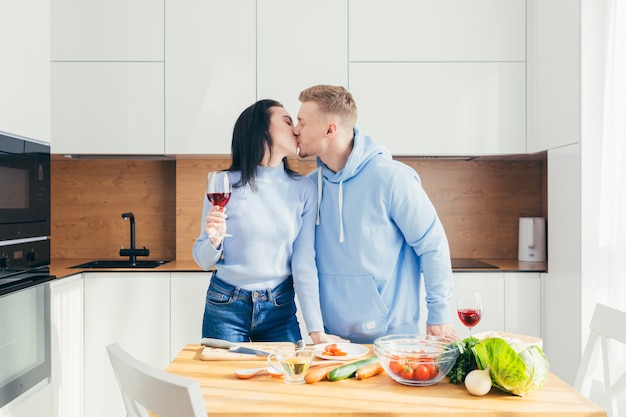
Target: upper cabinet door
{"points": [[300, 43], [442, 30], [107, 108], [442, 109], [210, 72], [25, 68], [554, 74], [111, 30]]}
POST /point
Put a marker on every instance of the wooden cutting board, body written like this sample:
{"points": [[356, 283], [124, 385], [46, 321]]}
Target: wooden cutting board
{"points": [[221, 354]]}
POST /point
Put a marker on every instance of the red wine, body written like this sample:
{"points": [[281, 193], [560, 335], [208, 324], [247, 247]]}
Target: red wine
{"points": [[470, 317], [219, 199]]}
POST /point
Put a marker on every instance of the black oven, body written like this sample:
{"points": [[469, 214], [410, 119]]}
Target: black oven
{"points": [[24, 188], [25, 338]]}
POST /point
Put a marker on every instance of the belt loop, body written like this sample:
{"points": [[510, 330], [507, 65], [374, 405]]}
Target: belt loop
{"points": [[236, 293], [270, 295]]}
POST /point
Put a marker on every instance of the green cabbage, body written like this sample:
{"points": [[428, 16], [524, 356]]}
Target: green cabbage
{"points": [[517, 368]]}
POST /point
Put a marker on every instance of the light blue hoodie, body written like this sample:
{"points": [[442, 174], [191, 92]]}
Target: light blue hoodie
{"points": [[377, 231]]}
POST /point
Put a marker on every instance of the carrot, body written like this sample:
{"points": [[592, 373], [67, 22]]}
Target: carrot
{"points": [[318, 374], [369, 370]]}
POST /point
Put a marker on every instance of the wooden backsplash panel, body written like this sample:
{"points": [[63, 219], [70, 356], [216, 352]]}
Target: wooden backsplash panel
{"points": [[479, 203], [89, 197], [191, 179]]}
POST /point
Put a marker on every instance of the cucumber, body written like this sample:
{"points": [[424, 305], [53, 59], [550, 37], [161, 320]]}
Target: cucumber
{"points": [[346, 371]]}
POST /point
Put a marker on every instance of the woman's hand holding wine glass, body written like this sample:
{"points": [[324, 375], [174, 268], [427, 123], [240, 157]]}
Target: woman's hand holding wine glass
{"points": [[470, 308], [218, 189]]}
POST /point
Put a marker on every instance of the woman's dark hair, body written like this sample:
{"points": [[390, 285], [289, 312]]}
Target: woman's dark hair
{"points": [[250, 138]]}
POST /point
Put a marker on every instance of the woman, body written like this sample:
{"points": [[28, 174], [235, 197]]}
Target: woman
{"points": [[271, 217]]}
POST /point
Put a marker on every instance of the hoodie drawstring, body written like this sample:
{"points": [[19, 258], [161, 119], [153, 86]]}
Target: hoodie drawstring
{"points": [[340, 198], [319, 193], [319, 202]]}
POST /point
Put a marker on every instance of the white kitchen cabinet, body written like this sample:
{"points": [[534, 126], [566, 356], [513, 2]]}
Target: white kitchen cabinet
{"points": [[107, 108], [133, 310], [448, 30], [522, 303], [25, 69], [187, 300], [553, 74], [442, 108], [113, 30], [565, 291], [67, 335], [511, 302], [294, 52], [210, 67]]}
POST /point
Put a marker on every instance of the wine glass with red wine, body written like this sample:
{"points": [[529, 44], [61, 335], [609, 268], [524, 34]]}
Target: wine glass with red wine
{"points": [[218, 189], [470, 308]]}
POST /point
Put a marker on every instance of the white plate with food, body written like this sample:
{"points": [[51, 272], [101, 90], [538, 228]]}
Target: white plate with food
{"points": [[340, 351]]}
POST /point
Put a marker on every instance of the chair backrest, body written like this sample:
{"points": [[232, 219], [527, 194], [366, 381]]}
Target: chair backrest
{"points": [[607, 325], [147, 389]]}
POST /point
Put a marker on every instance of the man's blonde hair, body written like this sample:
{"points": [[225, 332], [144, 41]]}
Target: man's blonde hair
{"points": [[334, 100]]}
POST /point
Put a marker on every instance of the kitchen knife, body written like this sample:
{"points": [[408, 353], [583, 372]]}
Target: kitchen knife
{"points": [[232, 347]]}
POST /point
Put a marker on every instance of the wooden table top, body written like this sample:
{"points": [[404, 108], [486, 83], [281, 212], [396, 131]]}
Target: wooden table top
{"points": [[262, 395]]}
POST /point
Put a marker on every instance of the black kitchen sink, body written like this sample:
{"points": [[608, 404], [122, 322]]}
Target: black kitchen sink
{"points": [[122, 264]]}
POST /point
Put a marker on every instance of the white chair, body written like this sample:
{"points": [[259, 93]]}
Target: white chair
{"points": [[608, 325], [147, 389]]}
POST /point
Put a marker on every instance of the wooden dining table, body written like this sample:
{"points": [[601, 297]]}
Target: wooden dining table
{"points": [[262, 396]]}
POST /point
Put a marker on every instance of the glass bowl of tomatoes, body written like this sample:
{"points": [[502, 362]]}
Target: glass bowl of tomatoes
{"points": [[417, 360]]}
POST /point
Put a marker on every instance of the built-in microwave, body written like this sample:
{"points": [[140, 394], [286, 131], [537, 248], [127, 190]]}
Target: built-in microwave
{"points": [[25, 184]]}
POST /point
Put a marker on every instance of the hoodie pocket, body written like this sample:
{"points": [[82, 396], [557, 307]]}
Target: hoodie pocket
{"points": [[352, 306]]}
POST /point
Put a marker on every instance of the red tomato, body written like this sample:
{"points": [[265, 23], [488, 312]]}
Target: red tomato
{"points": [[433, 370], [407, 372], [422, 373], [332, 350], [395, 367]]}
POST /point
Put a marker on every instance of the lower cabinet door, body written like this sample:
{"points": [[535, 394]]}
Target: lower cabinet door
{"points": [[522, 303], [133, 310], [66, 315], [491, 287], [188, 296]]}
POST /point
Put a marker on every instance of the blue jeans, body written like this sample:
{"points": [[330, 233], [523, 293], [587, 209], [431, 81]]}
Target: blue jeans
{"points": [[239, 315]]}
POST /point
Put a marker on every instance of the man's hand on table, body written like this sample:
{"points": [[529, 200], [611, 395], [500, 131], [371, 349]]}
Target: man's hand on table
{"points": [[321, 337], [445, 330]]}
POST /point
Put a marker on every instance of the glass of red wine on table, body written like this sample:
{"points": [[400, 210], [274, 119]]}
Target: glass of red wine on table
{"points": [[218, 189], [470, 308]]}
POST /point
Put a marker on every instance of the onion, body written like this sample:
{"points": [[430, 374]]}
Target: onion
{"points": [[478, 382]]}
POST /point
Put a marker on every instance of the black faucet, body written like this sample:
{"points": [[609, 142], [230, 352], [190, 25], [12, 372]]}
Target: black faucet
{"points": [[133, 252]]}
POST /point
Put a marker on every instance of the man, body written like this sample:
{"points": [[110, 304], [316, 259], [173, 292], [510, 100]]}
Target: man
{"points": [[376, 232]]}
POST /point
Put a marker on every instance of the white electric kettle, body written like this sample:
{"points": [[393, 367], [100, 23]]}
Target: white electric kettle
{"points": [[532, 239]]}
